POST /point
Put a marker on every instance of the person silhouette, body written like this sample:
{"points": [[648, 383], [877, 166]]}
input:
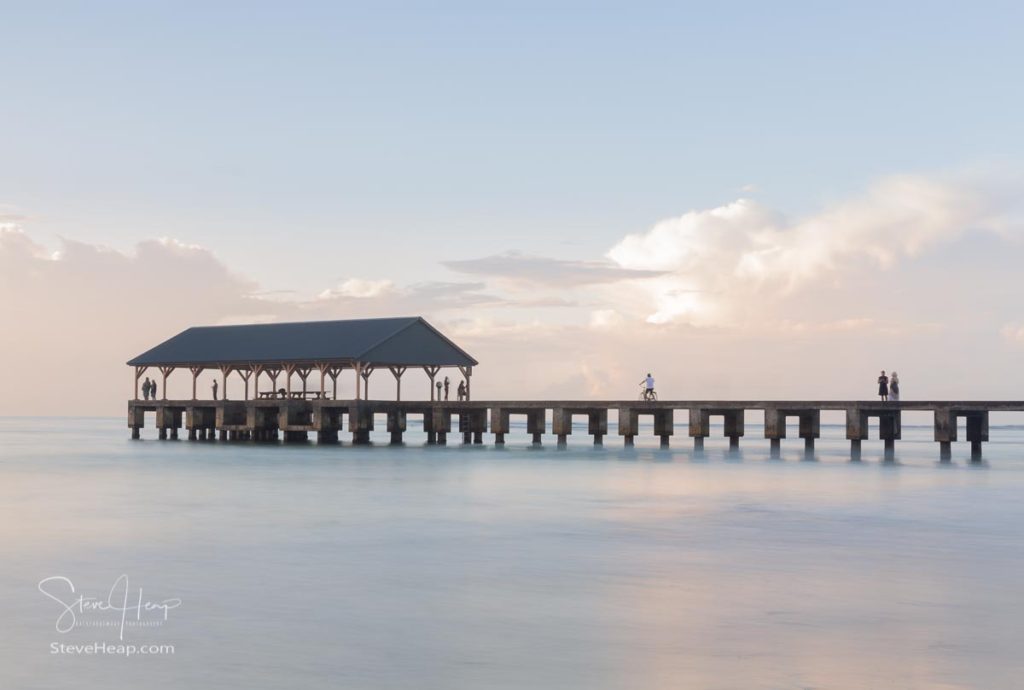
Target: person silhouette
{"points": [[883, 386], [648, 384]]}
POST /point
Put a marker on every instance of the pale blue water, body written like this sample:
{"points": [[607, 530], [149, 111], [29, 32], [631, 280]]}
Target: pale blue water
{"points": [[477, 568]]}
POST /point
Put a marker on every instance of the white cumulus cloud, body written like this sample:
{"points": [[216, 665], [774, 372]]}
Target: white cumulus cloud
{"points": [[744, 247]]}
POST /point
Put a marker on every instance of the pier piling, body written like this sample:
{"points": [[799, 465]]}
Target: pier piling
{"points": [[536, 425]]}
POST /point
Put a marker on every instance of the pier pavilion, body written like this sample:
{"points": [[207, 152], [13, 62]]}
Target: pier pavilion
{"points": [[299, 349]]}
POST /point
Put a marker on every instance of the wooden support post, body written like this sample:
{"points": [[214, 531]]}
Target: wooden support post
{"points": [[359, 384], [273, 374], [431, 374], [225, 370], [196, 371], [246, 374], [364, 373], [467, 372], [334, 373], [289, 369], [397, 373], [256, 369], [304, 373], [322, 368], [139, 371], [166, 371]]}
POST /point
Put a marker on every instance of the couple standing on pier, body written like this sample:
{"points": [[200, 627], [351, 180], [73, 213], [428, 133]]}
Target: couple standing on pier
{"points": [[462, 392], [148, 389], [889, 388]]}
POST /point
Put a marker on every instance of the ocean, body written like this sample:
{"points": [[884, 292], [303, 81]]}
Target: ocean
{"points": [[272, 566]]}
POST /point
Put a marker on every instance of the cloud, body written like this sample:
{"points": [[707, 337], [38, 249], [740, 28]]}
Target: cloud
{"points": [[78, 313], [359, 288], [725, 302], [1013, 332], [432, 298], [602, 319], [718, 256], [514, 266]]}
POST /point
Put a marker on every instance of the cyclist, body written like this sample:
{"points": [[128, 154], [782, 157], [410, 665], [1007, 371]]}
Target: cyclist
{"points": [[648, 384]]}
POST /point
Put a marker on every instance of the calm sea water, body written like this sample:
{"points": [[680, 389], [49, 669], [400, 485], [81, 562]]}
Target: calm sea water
{"points": [[479, 568]]}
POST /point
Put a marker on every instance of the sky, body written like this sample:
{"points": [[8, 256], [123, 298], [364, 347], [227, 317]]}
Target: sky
{"points": [[747, 199]]}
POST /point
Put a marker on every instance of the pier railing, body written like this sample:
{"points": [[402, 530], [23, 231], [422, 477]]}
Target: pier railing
{"points": [[294, 420]]}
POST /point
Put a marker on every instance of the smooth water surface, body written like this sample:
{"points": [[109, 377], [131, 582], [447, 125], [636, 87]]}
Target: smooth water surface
{"points": [[478, 568]]}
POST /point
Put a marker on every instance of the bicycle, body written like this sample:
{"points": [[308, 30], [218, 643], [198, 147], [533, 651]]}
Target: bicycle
{"points": [[648, 395]]}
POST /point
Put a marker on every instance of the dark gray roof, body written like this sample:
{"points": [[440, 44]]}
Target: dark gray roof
{"points": [[402, 341]]}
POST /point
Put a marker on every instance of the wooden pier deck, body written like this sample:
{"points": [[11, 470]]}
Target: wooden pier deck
{"points": [[295, 419]]}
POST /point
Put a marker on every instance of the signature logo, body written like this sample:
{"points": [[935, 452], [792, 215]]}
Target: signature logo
{"points": [[121, 607]]}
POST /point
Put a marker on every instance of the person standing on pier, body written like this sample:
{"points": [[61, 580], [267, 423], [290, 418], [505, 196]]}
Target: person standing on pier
{"points": [[883, 386], [461, 392], [152, 389], [215, 389], [447, 383], [894, 387], [145, 389]]}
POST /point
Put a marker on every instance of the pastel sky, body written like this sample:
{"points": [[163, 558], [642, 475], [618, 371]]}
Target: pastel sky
{"points": [[748, 199]]}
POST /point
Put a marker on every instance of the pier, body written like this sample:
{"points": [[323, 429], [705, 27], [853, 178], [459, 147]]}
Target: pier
{"points": [[296, 420], [294, 409]]}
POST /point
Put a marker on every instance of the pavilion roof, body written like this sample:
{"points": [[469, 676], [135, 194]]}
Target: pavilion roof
{"points": [[409, 341]]}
